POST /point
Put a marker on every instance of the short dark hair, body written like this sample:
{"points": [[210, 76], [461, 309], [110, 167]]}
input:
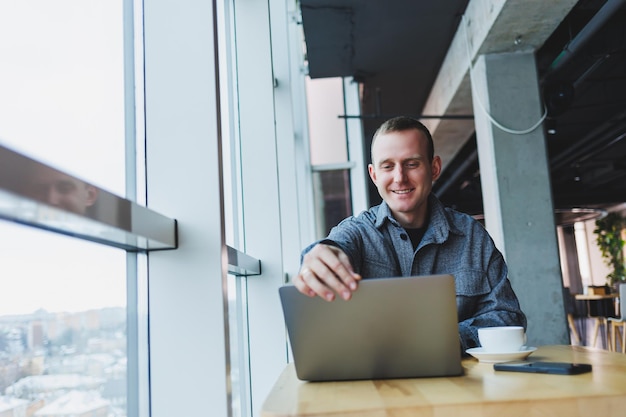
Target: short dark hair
{"points": [[400, 124]]}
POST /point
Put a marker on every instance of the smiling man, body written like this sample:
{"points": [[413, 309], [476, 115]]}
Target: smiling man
{"points": [[411, 233]]}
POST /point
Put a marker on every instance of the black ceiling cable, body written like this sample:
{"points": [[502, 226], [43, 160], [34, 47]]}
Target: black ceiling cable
{"points": [[380, 115]]}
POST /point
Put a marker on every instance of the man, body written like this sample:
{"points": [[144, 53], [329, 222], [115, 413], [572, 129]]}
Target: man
{"points": [[60, 190], [412, 233]]}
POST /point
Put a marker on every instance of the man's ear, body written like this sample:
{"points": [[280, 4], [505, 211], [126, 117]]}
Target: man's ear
{"points": [[92, 193], [436, 168], [372, 172]]}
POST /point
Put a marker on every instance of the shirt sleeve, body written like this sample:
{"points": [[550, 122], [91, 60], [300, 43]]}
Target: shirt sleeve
{"points": [[498, 306], [345, 236]]}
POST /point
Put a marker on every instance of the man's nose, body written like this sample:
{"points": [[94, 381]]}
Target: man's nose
{"points": [[399, 174], [53, 197]]}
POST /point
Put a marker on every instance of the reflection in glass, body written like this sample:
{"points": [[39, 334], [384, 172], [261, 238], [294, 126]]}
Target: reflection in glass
{"points": [[74, 207], [28, 178], [332, 198], [59, 190]]}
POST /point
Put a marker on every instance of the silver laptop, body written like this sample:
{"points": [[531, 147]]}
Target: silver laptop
{"points": [[391, 328]]}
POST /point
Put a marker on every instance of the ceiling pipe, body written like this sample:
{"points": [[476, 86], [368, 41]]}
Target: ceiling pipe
{"points": [[606, 132], [587, 32], [590, 70], [599, 149], [379, 114], [415, 116]]}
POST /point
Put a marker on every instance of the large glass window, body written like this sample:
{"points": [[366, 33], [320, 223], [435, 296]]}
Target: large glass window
{"points": [[329, 152], [69, 339], [331, 190], [327, 131], [62, 300]]}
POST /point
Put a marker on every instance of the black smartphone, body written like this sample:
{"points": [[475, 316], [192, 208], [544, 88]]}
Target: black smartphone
{"points": [[560, 368]]}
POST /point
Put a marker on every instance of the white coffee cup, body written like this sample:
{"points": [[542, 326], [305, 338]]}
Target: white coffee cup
{"points": [[502, 339]]}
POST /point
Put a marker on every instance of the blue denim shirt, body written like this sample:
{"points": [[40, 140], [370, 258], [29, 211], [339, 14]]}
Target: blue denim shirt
{"points": [[453, 243]]}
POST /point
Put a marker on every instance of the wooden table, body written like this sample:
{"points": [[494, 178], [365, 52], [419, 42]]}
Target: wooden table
{"points": [[589, 298], [481, 391], [595, 296]]}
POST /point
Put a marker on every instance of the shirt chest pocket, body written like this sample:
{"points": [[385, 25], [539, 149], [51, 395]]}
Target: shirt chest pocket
{"points": [[471, 283], [471, 290], [379, 268]]}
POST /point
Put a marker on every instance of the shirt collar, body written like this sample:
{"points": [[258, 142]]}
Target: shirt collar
{"points": [[439, 227], [384, 215]]}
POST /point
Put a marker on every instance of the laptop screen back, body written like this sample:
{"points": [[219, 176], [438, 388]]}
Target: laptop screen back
{"points": [[390, 328]]}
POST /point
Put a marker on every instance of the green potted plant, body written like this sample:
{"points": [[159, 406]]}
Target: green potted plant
{"points": [[611, 243]]}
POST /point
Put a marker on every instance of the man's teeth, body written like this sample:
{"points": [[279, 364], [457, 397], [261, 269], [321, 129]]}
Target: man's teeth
{"points": [[402, 191]]}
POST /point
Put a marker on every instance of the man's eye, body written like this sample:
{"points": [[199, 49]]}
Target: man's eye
{"points": [[39, 190], [64, 187], [412, 164], [386, 166]]}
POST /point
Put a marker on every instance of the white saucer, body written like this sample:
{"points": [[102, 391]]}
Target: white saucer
{"points": [[492, 357]]}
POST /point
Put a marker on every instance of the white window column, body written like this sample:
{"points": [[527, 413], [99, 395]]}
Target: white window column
{"points": [[188, 334], [269, 206]]}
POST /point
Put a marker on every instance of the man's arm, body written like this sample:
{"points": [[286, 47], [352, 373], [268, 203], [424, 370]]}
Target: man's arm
{"points": [[497, 307], [325, 271]]}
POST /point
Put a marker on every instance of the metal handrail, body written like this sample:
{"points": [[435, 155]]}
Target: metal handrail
{"points": [[38, 195]]}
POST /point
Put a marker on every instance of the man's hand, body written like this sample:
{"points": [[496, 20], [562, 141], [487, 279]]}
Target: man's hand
{"points": [[326, 270]]}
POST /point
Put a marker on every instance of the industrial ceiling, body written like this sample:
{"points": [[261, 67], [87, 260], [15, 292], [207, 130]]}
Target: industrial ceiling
{"points": [[395, 49]]}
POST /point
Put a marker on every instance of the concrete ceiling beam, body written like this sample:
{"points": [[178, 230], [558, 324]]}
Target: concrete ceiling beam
{"points": [[488, 26]]}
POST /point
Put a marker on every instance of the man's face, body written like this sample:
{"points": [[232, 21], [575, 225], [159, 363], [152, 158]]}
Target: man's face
{"points": [[61, 190], [403, 175]]}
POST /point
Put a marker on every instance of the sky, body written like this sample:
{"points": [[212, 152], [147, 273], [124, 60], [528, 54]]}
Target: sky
{"points": [[61, 102]]}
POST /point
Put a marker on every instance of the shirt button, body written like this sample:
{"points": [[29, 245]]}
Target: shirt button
{"points": [[403, 236]]}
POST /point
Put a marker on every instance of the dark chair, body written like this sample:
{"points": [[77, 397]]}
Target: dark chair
{"points": [[570, 309], [600, 311]]}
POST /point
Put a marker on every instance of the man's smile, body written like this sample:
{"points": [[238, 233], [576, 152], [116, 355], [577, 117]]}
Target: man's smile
{"points": [[402, 191]]}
